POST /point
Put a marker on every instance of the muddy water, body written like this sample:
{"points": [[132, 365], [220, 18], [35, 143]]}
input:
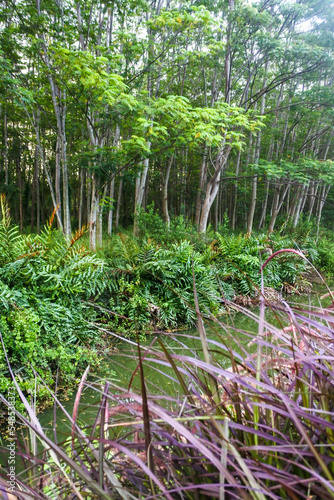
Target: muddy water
{"points": [[119, 366]]}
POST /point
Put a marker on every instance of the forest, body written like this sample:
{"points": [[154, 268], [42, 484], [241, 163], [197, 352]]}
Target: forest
{"points": [[212, 110], [166, 205]]}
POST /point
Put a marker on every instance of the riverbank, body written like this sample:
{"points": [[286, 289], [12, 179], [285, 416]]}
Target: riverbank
{"points": [[61, 304], [184, 397]]}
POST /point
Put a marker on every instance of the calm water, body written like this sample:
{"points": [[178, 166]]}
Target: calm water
{"points": [[119, 366]]}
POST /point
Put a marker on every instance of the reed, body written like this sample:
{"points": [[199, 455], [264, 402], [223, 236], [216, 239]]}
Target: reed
{"points": [[252, 422]]}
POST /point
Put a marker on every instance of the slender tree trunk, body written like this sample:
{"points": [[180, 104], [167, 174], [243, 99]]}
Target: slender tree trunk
{"points": [[328, 145], [324, 194], [58, 175], [265, 204], [119, 198], [89, 182], [33, 193], [59, 105], [47, 173], [81, 196], [94, 211], [20, 186], [99, 219], [251, 210], [165, 192], [111, 196], [294, 204], [140, 189], [202, 181], [274, 209], [212, 186], [112, 182], [66, 195], [141, 179], [313, 198], [285, 130], [6, 148], [252, 207], [298, 210], [277, 204], [215, 219], [235, 194], [228, 58], [305, 195]]}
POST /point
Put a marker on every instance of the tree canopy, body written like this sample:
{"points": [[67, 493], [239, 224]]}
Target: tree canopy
{"points": [[209, 109]]}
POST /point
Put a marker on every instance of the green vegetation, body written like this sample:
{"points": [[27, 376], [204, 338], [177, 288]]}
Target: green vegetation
{"points": [[215, 110], [55, 294], [45, 319], [243, 425], [178, 145]]}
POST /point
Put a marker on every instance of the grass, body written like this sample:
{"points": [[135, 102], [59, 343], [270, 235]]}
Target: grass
{"points": [[263, 428]]}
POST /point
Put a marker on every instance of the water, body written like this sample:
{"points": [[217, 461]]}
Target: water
{"points": [[120, 367]]}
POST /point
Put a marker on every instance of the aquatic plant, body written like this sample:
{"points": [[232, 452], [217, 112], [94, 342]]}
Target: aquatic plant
{"points": [[241, 422]]}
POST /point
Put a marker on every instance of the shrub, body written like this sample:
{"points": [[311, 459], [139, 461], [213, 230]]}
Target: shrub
{"points": [[238, 260], [45, 284], [155, 284]]}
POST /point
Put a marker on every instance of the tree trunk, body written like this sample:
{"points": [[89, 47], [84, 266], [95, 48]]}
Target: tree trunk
{"points": [[251, 210], [33, 193], [139, 195], [59, 105], [298, 210], [294, 204], [234, 194], [95, 203], [324, 194], [328, 145], [20, 186], [277, 205], [110, 212], [252, 207], [47, 173], [119, 197], [165, 192], [265, 204], [89, 181], [313, 198], [5, 159], [81, 195], [99, 219], [212, 186], [112, 182], [57, 176], [202, 180], [228, 57], [66, 196]]}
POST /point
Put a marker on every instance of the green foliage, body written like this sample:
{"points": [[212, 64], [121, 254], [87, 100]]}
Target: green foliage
{"points": [[326, 254], [155, 284], [151, 225], [45, 283], [52, 291], [151, 278], [238, 260]]}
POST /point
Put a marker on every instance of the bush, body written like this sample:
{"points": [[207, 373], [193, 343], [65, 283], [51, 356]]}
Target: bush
{"points": [[154, 284], [151, 225], [45, 284], [326, 255], [238, 260]]}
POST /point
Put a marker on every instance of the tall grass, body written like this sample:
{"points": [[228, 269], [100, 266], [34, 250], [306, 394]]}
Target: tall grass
{"points": [[253, 422]]}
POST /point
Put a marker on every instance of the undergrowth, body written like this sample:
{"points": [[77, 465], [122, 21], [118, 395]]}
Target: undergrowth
{"points": [[45, 283], [236, 424]]}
